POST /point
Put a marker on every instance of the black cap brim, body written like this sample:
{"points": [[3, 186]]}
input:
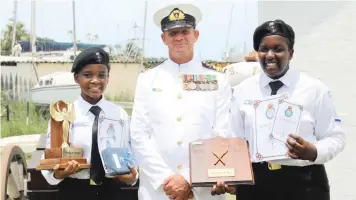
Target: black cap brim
{"points": [[177, 24]]}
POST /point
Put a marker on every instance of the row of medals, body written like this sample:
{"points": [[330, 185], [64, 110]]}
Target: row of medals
{"points": [[200, 86]]}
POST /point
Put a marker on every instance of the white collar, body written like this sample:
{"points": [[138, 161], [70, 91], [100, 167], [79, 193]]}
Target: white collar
{"points": [[86, 105], [288, 79]]}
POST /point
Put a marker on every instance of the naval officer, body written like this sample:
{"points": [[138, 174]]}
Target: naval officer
{"points": [[91, 71], [319, 139], [177, 102]]}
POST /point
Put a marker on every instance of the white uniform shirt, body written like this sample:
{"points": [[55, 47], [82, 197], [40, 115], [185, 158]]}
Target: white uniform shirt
{"points": [[318, 119], [80, 134], [166, 118]]}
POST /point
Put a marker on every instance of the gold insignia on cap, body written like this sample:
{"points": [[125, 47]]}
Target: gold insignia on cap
{"points": [[176, 15]]}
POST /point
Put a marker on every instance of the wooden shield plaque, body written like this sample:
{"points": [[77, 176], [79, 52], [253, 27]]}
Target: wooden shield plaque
{"points": [[220, 159]]}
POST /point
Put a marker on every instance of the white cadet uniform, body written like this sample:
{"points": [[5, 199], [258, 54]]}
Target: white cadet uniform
{"points": [[166, 118], [319, 120], [80, 134]]}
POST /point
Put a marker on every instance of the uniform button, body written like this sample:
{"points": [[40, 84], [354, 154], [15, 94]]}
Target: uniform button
{"points": [[179, 166], [179, 142], [179, 118], [179, 96]]}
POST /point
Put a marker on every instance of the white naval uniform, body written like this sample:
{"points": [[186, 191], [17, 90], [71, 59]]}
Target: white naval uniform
{"points": [[166, 118], [80, 134], [319, 121]]}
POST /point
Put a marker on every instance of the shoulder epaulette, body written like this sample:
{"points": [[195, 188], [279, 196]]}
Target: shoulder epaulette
{"points": [[213, 67]]}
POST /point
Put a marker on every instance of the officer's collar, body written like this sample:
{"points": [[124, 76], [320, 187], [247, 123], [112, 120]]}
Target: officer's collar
{"points": [[192, 63], [85, 106], [288, 79]]}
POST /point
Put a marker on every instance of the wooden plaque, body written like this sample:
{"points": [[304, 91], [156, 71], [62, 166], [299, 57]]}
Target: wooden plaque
{"points": [[60, 152], [220, 159]]}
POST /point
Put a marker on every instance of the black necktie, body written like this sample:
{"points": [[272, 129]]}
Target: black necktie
{"points": [[275, 85], [97, 172]]}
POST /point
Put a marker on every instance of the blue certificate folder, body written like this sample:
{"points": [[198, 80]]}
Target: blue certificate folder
{"points": [[116, 161]]}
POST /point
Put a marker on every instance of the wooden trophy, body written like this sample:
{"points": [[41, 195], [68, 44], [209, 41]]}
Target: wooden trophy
{"points": [[60, 152], [220, 159]]}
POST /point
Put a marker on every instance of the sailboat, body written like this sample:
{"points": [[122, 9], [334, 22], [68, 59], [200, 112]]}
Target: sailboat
{"points": [[52, 87], [59, 85]]}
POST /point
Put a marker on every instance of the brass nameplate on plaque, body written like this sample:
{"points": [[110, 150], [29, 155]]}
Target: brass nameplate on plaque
{"points": [[70, 152], [220, 159], [226, 172]]}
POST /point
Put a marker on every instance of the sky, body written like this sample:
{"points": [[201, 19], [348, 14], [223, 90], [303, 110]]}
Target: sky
{"points": [[113, 22]]}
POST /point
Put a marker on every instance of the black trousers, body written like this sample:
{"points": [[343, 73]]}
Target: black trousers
{"points": [[287, 183], [74, 189]]}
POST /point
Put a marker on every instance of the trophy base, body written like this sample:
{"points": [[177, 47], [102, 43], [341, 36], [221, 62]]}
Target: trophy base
{"points": [[48, 164]]}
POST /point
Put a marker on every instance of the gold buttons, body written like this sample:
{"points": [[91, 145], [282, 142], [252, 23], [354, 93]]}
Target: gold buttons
{"points": [[180, 166], [179, 118], [179, 96], [179, 142]]}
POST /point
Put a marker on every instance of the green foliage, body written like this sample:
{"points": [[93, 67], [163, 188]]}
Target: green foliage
{"points": [[125, 96], [17, 123], [21, 35]]}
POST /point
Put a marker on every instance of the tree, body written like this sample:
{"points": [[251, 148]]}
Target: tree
{"points": [[95, 38], [44, 39], [89, 36], [21, 35], [92, 37]]}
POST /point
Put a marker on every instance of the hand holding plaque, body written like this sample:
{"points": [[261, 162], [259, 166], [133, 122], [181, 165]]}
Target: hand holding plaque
{"points": [[220, 159], [60, 152]]}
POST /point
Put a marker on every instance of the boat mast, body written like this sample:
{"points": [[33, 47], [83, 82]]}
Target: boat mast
{"points": [[14, 26], [227, 53], [74, 31], [143, 37], [33, 36]]}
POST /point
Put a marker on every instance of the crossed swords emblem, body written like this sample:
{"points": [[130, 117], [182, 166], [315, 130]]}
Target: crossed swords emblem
{"points": [[219, 158]]}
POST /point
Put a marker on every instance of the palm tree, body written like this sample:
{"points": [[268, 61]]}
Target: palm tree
{"points": [[89, 36], [21, 35], [95, 37]]}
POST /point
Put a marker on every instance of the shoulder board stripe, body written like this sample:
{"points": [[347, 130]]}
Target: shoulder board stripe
{"points": [[213, 67]]}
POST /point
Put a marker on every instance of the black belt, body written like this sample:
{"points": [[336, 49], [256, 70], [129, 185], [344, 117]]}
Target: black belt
{"points": [[306, 175]]}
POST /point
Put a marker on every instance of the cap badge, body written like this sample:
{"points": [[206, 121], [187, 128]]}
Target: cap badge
{"points": [[98, 57], [176, 14], [272, 27]]}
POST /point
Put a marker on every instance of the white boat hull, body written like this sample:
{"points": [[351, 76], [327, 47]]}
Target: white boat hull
{"points": [[53, 93]]}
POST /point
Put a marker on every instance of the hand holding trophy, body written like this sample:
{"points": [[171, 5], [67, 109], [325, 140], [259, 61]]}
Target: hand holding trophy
{"points": [[60, 152]]}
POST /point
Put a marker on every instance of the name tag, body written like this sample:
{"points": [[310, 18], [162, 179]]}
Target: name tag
{"points": [[199, 82], [80, 123], [156, 89]]}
